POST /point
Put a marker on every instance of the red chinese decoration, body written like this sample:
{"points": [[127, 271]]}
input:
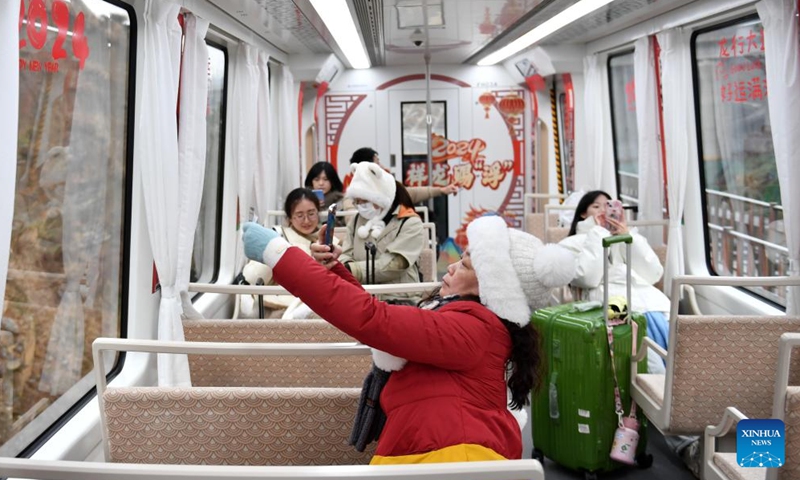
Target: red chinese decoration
{"points": [[512, 105], [512, 10], [487, 99], [37, 24], [487, 27]]}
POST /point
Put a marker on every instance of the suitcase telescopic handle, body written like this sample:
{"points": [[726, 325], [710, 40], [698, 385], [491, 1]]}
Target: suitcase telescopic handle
{"points": [[627, 239]]}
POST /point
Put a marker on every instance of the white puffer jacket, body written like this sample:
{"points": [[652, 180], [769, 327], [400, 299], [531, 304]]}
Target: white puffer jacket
{"points": [[646, 269]]}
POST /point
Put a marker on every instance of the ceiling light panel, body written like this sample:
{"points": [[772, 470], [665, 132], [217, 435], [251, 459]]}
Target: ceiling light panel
{"points": [[337, 18], [571, 14]]}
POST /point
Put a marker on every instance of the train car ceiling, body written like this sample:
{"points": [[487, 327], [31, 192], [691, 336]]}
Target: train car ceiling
{"points": [[400, 32]]}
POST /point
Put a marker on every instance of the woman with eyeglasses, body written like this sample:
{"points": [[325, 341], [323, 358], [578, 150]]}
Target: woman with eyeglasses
{"points": [[300, 229]]}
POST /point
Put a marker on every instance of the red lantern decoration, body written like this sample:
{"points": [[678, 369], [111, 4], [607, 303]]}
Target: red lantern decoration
{"points": [[512, 105], [487, 99], [487, 27]]}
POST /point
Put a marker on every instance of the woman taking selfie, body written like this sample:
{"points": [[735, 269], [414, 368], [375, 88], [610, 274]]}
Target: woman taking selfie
{"points": [[590, 225], [462, 360]]}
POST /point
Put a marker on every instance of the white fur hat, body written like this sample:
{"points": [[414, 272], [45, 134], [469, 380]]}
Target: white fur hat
{"points": [[373, 183], [496, 251]]}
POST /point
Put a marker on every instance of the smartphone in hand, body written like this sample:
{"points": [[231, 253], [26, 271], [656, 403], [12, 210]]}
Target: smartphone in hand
{"points": [[614, 211], [330, 225]]}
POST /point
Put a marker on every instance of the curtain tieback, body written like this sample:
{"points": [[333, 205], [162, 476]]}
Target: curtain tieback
{"points": [[73, 285], [168, 292]]}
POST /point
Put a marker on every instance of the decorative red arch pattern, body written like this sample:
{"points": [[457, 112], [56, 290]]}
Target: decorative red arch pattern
{"points": [[338, 109], [421, 76]]}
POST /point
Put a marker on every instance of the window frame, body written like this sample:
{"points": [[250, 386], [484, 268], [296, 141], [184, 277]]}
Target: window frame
{"points": [[707, 239], [125, 252], [221, 170], [614, 132], [402, 135]]}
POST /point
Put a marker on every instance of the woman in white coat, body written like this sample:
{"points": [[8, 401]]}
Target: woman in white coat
{"points": [[589, 226]]}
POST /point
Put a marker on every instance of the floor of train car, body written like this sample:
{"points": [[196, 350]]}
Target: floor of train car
{"points": [[666, 465]]}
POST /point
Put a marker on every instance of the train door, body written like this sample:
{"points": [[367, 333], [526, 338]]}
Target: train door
{"points": [[409, 148]]}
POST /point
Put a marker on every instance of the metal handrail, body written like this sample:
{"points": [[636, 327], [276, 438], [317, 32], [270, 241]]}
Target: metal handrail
{"points": [[742, 199], [278, 290], [76, 470]]}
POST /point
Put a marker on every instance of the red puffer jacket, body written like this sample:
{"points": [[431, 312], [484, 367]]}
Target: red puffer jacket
{"points": [[449, 402]]}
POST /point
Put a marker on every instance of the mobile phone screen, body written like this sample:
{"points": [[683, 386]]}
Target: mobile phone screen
{"points": [[331, 224], [615, 210]]}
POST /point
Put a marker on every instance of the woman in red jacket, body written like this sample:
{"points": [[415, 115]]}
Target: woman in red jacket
{"points": [[462, 361]]}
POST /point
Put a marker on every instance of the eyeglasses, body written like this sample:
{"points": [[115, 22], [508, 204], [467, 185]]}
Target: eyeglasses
{"points": [[310, 215]]}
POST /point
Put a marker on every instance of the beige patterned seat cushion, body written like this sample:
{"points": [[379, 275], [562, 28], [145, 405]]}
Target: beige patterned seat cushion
{"points": [[727, 463], [791, 471], [653, 385], [726, 361], [427, 264], [534, 224], [232, 426], [284, 371], [556, 234], [256, 330]]}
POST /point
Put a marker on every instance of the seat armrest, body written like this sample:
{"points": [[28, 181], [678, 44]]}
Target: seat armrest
{"points": [[691, 296], [648, 342], [730, 417]]}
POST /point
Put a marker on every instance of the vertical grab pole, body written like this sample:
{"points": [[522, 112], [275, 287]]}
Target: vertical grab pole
{"points": [[428, 114], [556, 139]]}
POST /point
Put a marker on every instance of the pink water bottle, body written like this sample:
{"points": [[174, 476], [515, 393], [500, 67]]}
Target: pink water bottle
{"points": [[626, 439]]}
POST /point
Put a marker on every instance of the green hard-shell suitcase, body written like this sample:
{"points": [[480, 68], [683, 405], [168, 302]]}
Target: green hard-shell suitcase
{"points": [[573, 413]]}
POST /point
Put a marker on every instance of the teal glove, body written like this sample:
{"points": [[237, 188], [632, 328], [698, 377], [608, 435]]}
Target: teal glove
{"points": [[256, 238]]}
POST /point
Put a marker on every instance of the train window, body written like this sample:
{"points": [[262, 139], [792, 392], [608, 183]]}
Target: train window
{"points": [[623, 125], [745, 231], [414, 141], [414, 150], [66, 282], [205, 255]]}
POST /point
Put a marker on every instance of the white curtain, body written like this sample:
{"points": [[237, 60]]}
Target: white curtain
{"points": [[288, 140], [266, 168], [82, 214], [156, 151], [191, 149], [680, 139], [651, 179], [243, 132], [9, 116], [595, 169], [783, 76]]}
